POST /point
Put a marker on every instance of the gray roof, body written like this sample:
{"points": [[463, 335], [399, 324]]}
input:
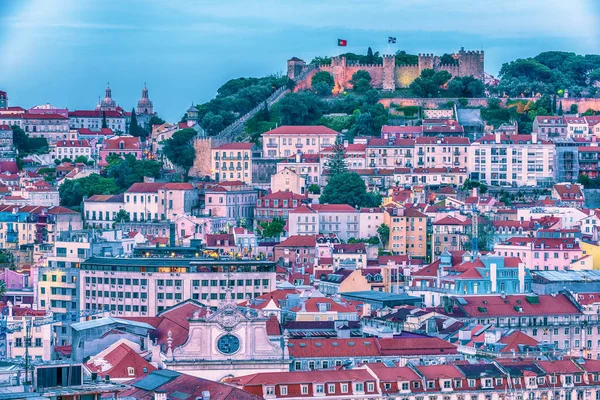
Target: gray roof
{"points": [[569, 276], [95, 323], [469, 116]]}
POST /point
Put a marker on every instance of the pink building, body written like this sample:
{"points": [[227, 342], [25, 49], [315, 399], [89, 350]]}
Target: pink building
{"points": [[542, 253], [121, 145]]}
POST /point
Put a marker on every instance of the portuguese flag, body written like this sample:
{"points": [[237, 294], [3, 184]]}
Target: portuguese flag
{"points": [[342, 42]]}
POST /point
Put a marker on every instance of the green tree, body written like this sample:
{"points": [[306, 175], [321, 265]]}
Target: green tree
{"points": [[463, 102], [369, 59], [402, 58], [27, 145], [429, 83], [273, 228], [322, 83], [383, 231], [574, 109], [554, 104], [361, 81], [466, 86], [81, 159], [134, 128], [314, 188], [560, 109], [337, 163], [180, 150], [155, 120], [2, 288], [363, 125], [71, 192], [448, 59], [121, 216], [300, 109], [128, 171], [348, 188], [104, 125]]}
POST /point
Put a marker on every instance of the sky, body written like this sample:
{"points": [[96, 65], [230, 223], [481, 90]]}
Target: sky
{"points": [[64, 52]]}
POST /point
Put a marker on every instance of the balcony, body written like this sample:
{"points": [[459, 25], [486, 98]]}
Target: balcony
{"points": [[272, 145], [299, 145]]}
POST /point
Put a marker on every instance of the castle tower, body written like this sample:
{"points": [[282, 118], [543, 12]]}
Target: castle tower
{"points": [[108, 104], [389, 72], [295, 67], [145, 106], [426, 61], [471, 63], [338, 70]]}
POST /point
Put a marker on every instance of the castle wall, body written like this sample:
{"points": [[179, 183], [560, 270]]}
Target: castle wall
{"points": [[389, 76], [404, 75], [342, 74], [583, 104], [202, 163], [453, 69]]}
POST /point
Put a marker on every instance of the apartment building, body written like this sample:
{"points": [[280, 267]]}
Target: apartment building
{"points": [[307, 166], [71, 149], [339, 219], [93, 119], [441, 152], [232, 161], [450, 234], [144, 286], [515, 160], [550, 127], [286, 141], [29, 333], [408, 231]]}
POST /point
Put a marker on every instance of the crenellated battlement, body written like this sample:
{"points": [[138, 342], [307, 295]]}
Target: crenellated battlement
{"points": [[472, 52], [390, 75]]}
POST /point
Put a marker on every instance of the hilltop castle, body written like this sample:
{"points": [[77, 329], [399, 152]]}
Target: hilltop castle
{"points": [[388, 76]]}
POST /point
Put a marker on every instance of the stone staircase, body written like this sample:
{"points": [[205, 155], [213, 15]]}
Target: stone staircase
{"points": [[231, 132]]}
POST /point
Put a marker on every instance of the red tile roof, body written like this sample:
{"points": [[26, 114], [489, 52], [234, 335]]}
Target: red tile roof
{"points": [[43, 116], [145, 187], [299, 241], [301, 130], [518, 305], [401, 129], [235, 146], [129, 143], [117, 362], [96, 132], [73, 143], [94, 114]]}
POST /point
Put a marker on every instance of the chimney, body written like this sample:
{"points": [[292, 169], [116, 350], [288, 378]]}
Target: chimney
{"points": [[498, 137], [345, 144], [205, 395], [298, 156], [160, 395], [534, 137]]}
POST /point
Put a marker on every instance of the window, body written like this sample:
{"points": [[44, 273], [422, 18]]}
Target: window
{"points": [[304, 389], [370, 386], [430, 384], [359, 387], [130, 371], [405, 386], [283, 390], [320, 389], [331, 388], [270, 390], [344, 388]]}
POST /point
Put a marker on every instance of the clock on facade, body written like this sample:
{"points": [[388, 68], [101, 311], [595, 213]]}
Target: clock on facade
{"points": [[228, 344]]}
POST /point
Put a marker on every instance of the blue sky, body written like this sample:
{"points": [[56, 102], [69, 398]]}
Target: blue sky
{"points": [[64, 51]]}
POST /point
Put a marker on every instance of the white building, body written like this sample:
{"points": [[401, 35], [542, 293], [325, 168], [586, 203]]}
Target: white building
{"points": [[515, 160], [339, 219], [71, 149]]}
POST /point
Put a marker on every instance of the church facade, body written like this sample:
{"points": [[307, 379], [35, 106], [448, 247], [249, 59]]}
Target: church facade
{"points": [[229, 342]]}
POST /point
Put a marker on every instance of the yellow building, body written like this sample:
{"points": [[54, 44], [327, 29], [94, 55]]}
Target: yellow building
{"points": [[232, 162], [408, 231], [591, 249]]}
